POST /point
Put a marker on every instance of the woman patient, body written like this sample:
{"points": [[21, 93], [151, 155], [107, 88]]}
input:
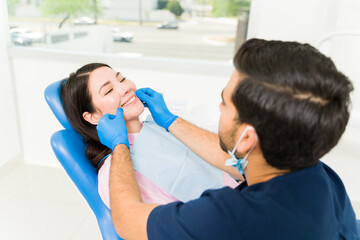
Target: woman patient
{"points": [[94, 90]]}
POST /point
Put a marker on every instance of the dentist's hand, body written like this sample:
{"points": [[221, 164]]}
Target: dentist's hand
{"points": [[156, 104], [112, 130]]}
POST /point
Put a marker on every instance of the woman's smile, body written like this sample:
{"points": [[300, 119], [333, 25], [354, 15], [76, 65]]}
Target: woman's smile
{"points": [[130, 101]]}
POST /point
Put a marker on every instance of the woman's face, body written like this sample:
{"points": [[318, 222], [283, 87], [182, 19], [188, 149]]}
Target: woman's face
{"points": [[109, 91]]}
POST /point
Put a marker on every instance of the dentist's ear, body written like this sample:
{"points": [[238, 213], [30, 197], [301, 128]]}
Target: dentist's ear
{"points": [[249, 141], [92, 118]]}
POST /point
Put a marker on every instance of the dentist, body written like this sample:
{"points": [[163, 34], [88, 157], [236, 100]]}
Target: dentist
{"points": [[285, 106]]}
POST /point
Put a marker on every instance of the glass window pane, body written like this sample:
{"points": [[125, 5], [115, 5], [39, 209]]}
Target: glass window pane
{"points": [[185, 29]]}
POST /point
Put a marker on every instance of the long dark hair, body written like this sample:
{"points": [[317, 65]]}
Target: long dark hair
{"points": [[294, 97], [76, 100]]}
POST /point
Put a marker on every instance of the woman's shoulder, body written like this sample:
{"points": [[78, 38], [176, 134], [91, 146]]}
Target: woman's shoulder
{"points": [[105, 168]]}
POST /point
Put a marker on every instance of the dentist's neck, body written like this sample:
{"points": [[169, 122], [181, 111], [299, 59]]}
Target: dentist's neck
{"points": [[258, 170], [133, 125]]}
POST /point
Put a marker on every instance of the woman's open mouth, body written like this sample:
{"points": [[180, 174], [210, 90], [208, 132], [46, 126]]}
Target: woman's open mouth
{"points": [[131, 100]]}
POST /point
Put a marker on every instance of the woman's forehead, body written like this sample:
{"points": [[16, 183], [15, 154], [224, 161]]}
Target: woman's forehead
{"points": [[102, 72], [101, 75]]}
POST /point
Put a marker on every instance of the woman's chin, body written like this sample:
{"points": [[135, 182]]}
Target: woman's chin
{"points": [[133, 113]]}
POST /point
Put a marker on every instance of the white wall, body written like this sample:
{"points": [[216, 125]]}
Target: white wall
{"points": [[10, 146], [294, 20], [199, 83]]}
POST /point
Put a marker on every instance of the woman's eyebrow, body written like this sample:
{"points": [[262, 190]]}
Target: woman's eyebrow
{"points": [[117, 74], [108, 82]]}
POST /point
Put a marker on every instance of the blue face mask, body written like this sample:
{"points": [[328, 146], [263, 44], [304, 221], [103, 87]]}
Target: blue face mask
{"points": [[240, 163]]}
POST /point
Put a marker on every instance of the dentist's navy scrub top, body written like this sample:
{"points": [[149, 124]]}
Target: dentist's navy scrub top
{"points": [[307, 204]]}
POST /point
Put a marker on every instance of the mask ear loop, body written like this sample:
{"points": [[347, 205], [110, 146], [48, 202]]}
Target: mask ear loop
{"points": [[241, 137], [241, 163], [252, 148]]}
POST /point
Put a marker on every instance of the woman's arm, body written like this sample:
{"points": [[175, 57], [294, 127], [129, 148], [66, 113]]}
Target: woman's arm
{"points": [[203, 143]]}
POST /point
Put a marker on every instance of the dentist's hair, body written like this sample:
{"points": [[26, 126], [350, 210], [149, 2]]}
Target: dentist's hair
{"points": [[294, 97], [76, 100]]}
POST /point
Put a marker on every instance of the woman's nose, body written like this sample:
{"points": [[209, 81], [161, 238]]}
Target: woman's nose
{"points": [[124, 89]]}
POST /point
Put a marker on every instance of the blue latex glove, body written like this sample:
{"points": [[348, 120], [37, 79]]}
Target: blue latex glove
{"points": [[156, 104], [112, 130]]}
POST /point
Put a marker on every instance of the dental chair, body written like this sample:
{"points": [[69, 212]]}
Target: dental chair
{"points": [[69, 148]]}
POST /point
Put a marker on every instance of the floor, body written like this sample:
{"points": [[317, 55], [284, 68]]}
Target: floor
{"points": [[41, 203]]}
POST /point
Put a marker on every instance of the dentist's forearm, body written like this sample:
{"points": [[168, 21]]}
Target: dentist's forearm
{"points": [[204, 143], [122, 177], [129, 213]]}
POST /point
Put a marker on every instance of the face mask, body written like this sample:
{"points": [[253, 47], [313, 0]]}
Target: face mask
{"points": [[240, 163]]}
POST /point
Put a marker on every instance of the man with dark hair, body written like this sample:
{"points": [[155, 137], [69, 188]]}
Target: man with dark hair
{"points": [[285, 106]]}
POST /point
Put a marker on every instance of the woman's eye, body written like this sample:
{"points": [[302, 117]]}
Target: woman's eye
{"points": [[108, 91], [123, 79]]}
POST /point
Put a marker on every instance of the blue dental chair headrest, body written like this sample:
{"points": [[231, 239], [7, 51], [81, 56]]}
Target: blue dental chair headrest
{"points": [[69, 148], [52, 97]]}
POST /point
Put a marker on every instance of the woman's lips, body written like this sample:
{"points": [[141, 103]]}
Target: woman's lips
{"points": [[130, 101]]}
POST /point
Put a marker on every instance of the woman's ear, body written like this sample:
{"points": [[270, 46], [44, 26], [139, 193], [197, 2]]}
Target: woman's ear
{"points": [[92, 118]]}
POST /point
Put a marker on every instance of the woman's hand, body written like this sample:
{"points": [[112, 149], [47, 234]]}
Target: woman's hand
{"points": [[112, 130]]}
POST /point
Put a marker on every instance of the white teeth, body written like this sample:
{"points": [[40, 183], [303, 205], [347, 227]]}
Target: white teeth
{"points": [[128, 102]]}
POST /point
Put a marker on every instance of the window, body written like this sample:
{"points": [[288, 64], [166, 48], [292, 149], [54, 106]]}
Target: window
{"points": [[207, 30]]}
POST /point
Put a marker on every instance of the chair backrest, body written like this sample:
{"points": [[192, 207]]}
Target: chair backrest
{"points": [[69, 148]]}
